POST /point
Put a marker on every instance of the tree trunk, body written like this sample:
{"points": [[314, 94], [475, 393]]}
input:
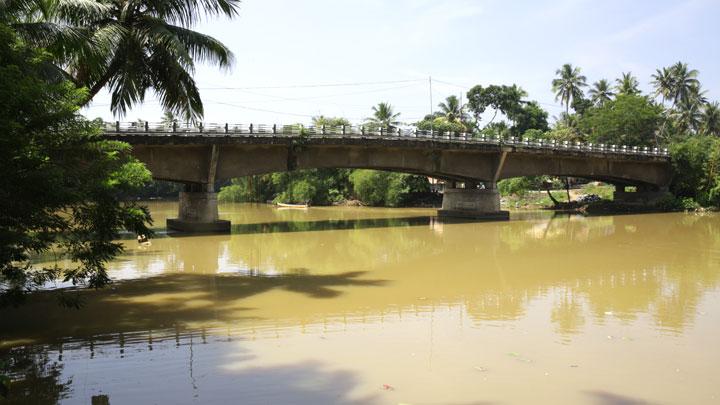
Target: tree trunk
{"points": [[567, 188], [555, 202]]}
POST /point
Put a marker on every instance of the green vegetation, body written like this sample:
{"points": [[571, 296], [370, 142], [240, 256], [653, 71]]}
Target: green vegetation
{"points": [[697, 158], [327, 186], [625, 120], [62, 182], [384, 116], [63, 185], [380, 188]]}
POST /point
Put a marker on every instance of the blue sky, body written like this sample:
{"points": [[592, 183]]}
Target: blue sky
{"points": [[282, 44]]}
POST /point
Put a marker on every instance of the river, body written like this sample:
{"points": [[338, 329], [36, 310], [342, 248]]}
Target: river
{"points": [[387, 306]]}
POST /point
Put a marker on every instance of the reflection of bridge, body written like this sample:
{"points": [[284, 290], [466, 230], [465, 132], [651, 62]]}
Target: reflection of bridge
{"points": [[200, 156]]}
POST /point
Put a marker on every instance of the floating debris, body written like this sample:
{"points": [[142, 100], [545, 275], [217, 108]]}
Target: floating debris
{"points": [[388, 387], [480, 369]]}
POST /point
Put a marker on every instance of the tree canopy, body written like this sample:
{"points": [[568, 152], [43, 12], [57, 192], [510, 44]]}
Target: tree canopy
{"points": [[62, 181], [504, 99], [626, 120]]}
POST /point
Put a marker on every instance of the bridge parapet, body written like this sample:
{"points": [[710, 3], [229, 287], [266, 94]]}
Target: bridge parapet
{"points": [[354, 132]]}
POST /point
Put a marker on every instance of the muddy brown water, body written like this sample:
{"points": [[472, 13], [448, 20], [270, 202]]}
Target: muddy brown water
{"points": [[387, 306]]}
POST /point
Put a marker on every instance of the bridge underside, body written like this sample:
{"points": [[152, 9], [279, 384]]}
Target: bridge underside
{"points": [[200, 164]]}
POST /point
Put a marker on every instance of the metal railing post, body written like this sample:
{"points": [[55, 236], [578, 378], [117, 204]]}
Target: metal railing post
{"points": [[147, 127], [274, 129], [226, 128], [251, 128], [174, 126], [117, 126]]}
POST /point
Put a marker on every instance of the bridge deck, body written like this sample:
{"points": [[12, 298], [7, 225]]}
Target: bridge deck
{"points": [[159, 134]]}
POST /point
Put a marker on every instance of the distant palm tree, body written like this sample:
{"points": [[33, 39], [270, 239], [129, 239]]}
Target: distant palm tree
{"points": [[568, 85], [451, 109], [684, 82], [687, 116], [601, 92], [710, 119], [384, 116], [168, 119], [627, 84], [664, 83], [130, 46]]}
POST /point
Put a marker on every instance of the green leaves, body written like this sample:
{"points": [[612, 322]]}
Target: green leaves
{"points": [[568, 85], [62, 184], [383, 116], [131, 46], [627, 120], [500, 98]]}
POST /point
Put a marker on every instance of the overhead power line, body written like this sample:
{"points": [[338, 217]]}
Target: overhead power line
{"points": [[322, 96], [300, 86], [260, 109]]}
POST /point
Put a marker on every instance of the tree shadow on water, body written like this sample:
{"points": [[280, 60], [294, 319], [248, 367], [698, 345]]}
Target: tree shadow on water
{"points": [[164, 301], [302, 383], [600, 397]]}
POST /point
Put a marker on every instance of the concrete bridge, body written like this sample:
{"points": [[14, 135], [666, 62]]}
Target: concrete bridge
{"points": [[200, 156]]}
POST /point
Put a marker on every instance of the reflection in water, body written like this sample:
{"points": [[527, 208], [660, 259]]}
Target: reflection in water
{"points": [[335, 305]]}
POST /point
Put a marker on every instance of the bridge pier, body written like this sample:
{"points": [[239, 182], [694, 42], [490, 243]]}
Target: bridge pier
{"points": [[198, 212], [645, 195], [473, 203]]}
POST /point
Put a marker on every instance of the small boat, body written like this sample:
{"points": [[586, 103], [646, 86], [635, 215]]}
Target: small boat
{"points": [[283, 205]]}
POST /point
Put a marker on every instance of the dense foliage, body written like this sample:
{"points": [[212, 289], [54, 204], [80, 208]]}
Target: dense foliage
{"points": [[380, 188], [625, 120], [326, 186], [61, 181]]}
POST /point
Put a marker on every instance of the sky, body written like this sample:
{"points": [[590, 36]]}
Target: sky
{"points": [[299, 59]]}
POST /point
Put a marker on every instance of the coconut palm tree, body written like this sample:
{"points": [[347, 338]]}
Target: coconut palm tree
{"points": [[383, 116], [710, 119], [451, 109], [601, 92], [664, 83], [684, 82], [627, 84], [568, 85], [128, 46], [687, 116]]}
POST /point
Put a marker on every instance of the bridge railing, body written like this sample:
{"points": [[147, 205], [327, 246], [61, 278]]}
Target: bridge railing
{"points": [[363, 131]]}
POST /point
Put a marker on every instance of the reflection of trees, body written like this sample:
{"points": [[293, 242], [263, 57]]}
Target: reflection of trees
{"points": [[35, 378], [568, 314]]}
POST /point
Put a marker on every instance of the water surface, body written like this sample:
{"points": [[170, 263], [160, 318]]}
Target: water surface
{"points": [[388, 306]]}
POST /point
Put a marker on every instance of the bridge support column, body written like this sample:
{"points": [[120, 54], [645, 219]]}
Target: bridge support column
{"points": [[645, 195], [198, 212], [473, 203]]}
